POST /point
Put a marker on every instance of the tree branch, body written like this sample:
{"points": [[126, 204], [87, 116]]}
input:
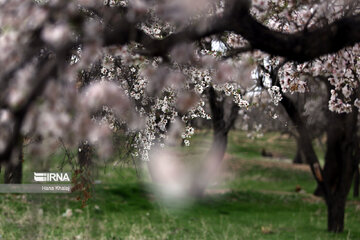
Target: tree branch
{"points": [[47, 69], [300, 46]]}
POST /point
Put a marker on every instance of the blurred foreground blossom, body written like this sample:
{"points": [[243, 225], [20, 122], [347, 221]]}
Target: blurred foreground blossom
{"points": [[68, 213]]}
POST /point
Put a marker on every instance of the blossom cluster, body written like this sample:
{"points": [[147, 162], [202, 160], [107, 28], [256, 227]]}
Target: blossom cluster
{"points": [[63, 78]]}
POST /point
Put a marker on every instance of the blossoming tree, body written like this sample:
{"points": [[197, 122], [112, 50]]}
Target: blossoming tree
{"points": [[80, 70], [339, 72]]}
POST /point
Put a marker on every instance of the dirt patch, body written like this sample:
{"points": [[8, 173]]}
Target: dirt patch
{"points": [[284, 165], [217, 191], [306, 197], [227, 157], [277, 137], [240, 163], [276, 192], [310, 198]]}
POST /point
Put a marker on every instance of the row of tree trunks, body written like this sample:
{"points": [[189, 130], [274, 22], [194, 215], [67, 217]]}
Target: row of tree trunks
{"points": [[341, 160], [13, 169], [341, 164]]}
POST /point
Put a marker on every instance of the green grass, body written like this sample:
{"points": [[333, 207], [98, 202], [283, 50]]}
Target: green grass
{"points": [[259, 203], [281, 146], [253, 176]]}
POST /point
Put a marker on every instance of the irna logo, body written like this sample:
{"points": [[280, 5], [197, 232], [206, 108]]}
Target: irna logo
{"points": [[51, 177]]}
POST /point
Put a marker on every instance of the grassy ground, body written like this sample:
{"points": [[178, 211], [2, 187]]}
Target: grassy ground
{"points": [[254, 198]]}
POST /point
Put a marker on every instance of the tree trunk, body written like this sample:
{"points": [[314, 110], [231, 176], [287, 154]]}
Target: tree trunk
{"points": [[341, 157], [299, 157], [13, 173], [333, 156], [211, 164], [84, 155], [13, 170], [332, 165], [304, 142], [221, 127], [356, 182], [336, 212]]}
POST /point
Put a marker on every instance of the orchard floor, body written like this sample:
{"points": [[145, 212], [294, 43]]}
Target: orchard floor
{"points": [[254, 198]]}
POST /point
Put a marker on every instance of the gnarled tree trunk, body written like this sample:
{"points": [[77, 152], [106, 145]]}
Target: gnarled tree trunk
{"points": [[341, 160]]}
